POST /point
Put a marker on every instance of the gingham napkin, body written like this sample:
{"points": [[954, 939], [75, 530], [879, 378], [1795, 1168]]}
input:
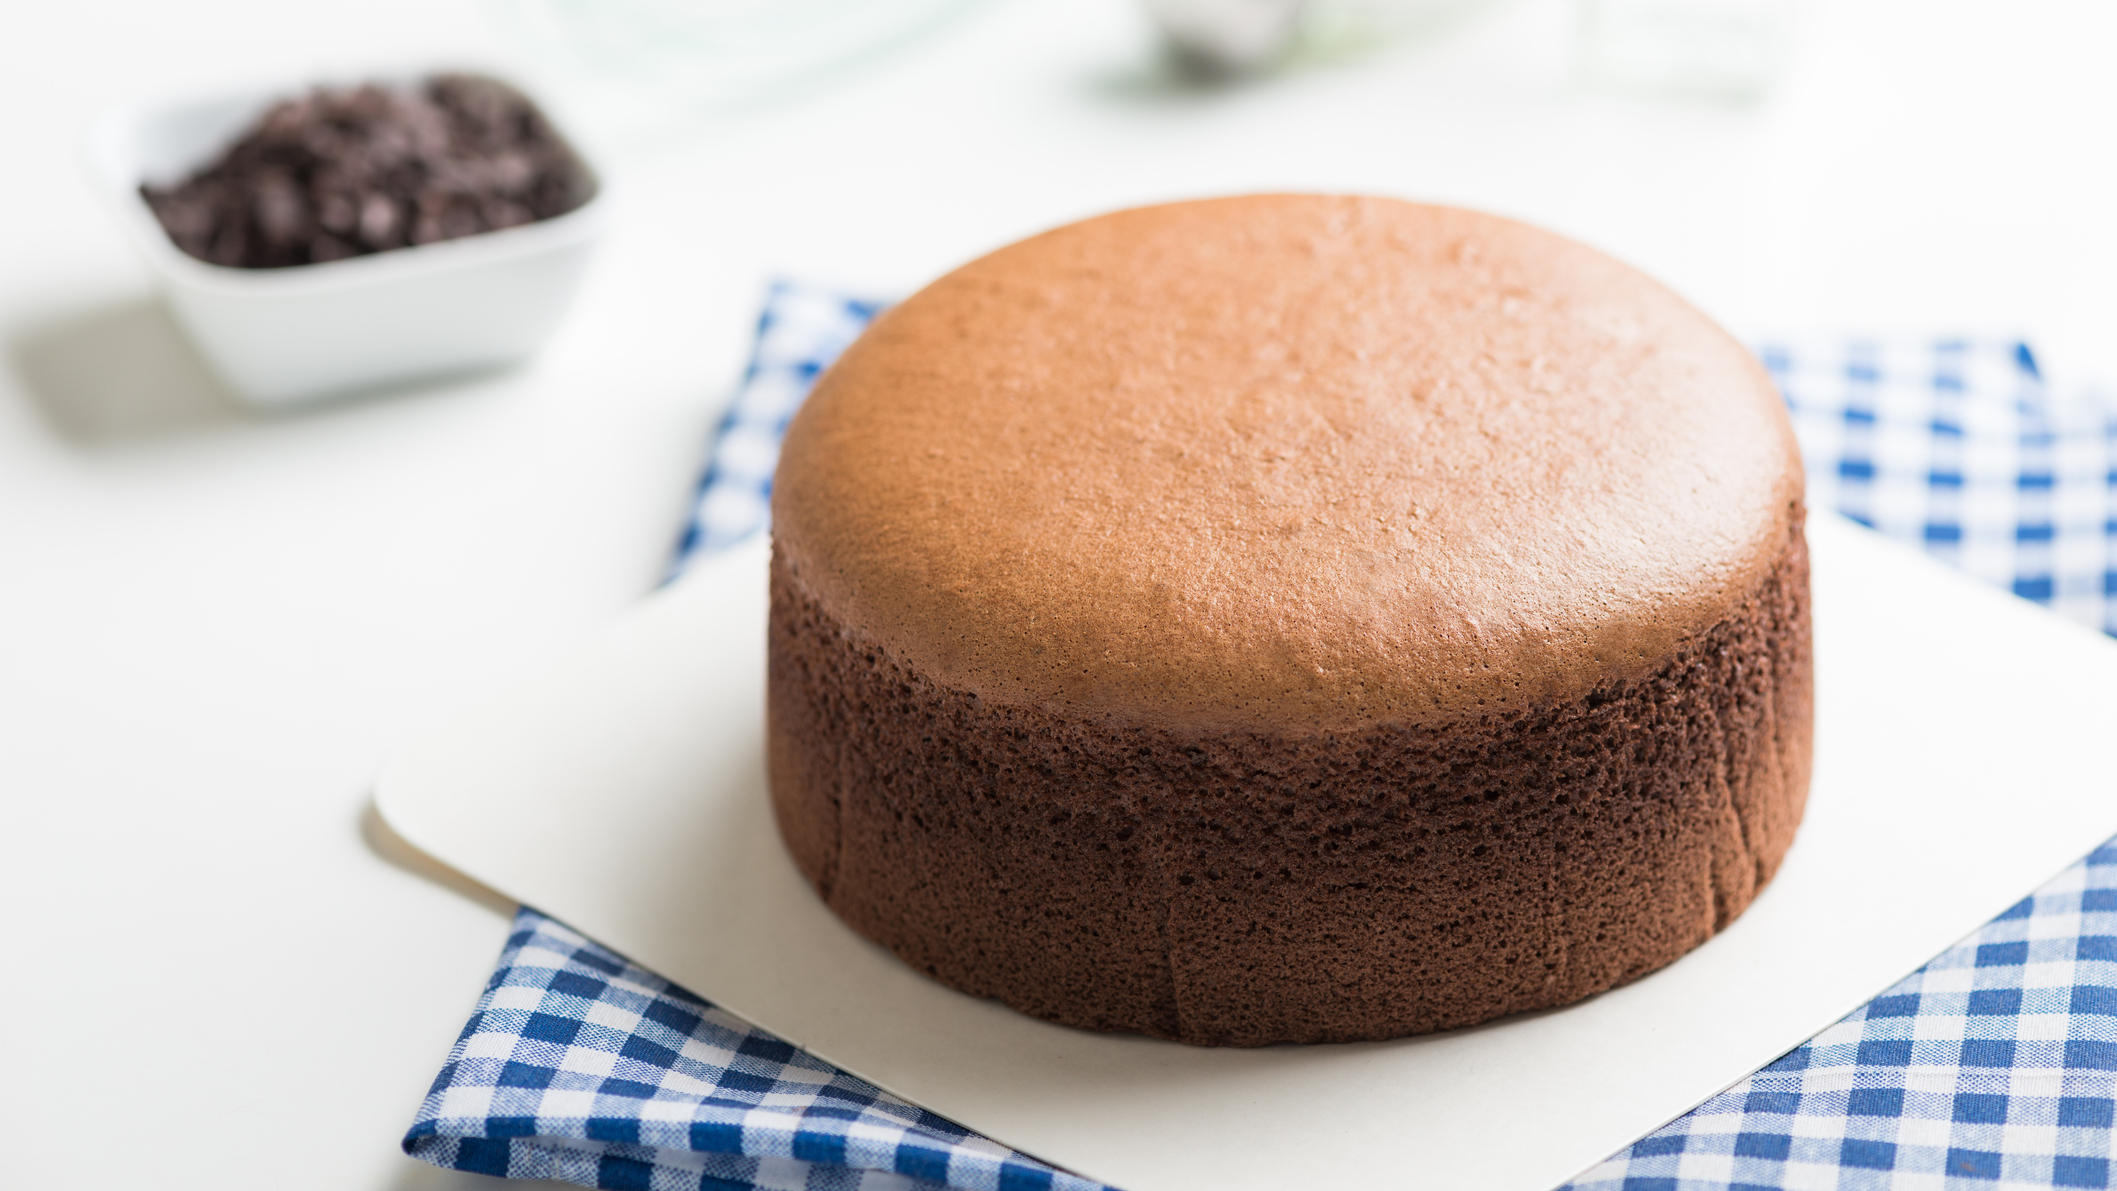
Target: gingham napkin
{"points": [[1995, 1065]]}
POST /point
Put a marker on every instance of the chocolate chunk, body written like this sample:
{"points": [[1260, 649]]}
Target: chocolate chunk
{"points": [[349, 171], [381, 222], [281, 209]]}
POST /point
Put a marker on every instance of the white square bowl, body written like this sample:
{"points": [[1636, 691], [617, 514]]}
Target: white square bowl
{"points": [[287, 335]]}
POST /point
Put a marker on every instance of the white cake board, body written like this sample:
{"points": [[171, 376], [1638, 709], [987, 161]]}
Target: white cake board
{"points": [[1962, 758]]}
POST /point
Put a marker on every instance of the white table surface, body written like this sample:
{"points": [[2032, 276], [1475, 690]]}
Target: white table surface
{"points": [[213, 627]]}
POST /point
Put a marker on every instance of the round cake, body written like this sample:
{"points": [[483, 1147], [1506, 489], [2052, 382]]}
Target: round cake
{"points": [[1289, 619]]}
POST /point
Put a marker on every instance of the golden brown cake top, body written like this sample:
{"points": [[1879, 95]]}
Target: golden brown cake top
{"points": [[1288, 461]]}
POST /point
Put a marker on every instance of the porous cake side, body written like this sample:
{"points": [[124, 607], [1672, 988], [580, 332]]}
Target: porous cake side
{"points": [[1244, 887]]}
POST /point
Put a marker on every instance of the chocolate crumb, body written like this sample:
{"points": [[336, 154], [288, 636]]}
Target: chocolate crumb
{"points": [[344, 172]]}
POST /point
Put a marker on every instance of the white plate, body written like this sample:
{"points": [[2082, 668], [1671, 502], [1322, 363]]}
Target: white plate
{"points": [[1961, 760]]}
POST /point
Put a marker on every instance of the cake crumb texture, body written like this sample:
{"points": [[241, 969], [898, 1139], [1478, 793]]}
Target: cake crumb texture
{"points": [[1241, 889]]}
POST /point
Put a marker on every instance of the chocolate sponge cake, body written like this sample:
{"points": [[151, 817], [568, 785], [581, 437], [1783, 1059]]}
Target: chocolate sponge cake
{"points": [[1289, 619]]}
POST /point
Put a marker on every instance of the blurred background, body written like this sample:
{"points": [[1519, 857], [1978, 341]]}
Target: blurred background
{"points": [[216, 621]]}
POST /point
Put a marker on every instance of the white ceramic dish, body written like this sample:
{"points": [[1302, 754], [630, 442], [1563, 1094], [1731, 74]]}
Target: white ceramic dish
{"points": [[280, 336], [1961, 760]]}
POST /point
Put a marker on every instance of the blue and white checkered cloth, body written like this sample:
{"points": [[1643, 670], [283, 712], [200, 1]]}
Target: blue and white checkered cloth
{"points": [[1995, 1065]]}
